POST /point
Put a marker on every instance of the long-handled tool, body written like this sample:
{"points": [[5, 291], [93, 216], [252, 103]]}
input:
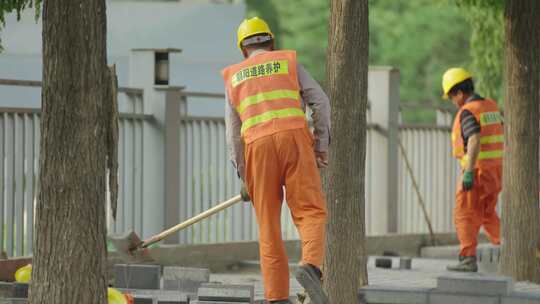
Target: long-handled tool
{"points": [[130, 245], [417, 190]]}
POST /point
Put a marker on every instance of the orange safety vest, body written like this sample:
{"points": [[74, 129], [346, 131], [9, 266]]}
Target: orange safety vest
{"points": [[265, 92], [488, 115]]}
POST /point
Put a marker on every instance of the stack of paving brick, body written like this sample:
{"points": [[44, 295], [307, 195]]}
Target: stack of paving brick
{"points": [[147, 285], [177, 285], [13, 293], [452, 289]]}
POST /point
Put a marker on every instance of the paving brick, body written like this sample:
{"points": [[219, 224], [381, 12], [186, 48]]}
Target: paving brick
{"points": [[405, 263], [184, 278], [449, 298], [174, 272], [211, 284], [173, 296], [142, 299], [521, 298], [383, 263], [13, 301], [488, 259], [6, 289], [394, 295], [172, 299], [137, 276], [20, 290], [475, 284], [226, 293], [214, 302], [182, 285]]}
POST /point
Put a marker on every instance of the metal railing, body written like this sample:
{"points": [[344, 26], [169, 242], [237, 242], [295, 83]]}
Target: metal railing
{"points": [[207, 176], [429, 151], [19, 150], [19, 168]]}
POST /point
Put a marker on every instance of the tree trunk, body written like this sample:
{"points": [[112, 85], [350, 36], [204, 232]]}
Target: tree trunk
{"points": [[521, 224], [70, 239], [347, 71]]}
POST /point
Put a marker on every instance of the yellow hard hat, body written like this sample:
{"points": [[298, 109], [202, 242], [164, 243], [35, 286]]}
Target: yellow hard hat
{"points": [[251, 27], [24, 274], [115, 297], [452, 77]]}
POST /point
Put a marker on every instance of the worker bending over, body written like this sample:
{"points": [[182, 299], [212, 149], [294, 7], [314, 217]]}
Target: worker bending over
{"points": [[272, 148], [478, 142]]}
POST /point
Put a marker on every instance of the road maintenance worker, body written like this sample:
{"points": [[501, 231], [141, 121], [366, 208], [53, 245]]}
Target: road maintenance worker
{"points": [[272, 147], [478, 142]]}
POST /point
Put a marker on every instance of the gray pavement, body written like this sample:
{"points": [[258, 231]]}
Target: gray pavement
{"points": [[423, 274]]}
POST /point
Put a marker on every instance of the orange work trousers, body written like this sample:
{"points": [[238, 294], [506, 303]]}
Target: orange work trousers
{"points": [[476, 208], [285, 159]]}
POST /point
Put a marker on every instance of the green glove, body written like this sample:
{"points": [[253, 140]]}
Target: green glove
{"points": [[468, 180], [244, 194]]}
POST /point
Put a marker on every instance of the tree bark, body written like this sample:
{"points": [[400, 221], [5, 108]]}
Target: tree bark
{"points": [[521, 214], [347, 71], [69, 263], [112, 140]]}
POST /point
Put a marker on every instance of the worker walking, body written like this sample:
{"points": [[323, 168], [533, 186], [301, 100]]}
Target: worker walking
{"points": [[272, 148], [478, 143]]}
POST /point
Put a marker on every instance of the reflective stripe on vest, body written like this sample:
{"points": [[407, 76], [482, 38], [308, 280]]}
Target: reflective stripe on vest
{"points": [[266, 96], [492, 139], [255, 120], [483, 155]]}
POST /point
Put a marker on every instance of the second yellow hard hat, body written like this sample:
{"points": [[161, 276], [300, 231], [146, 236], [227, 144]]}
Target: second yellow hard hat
{"points": [[24, 274], [452, 77]]}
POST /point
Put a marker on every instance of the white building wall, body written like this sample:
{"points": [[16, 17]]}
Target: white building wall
{"points": [[204, 31]]}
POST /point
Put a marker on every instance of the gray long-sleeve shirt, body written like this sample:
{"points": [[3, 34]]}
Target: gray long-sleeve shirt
{"points": [[311, 95]]}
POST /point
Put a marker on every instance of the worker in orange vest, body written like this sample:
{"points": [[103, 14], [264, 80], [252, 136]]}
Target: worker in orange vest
{"points": [[272, 148], [478, 143]]}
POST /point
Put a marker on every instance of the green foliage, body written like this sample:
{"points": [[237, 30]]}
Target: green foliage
{"points": [[487, 43], [9, 6], [299, 25], [491, 4], [422, 38], [17, 6]]}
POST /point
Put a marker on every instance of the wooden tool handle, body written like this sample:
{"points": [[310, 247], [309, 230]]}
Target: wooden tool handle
{"points": [[191, 221]]}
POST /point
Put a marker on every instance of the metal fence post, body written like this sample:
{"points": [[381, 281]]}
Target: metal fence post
{"points": [[443, 117], [149, 70], [172, 161], [383, 93]]}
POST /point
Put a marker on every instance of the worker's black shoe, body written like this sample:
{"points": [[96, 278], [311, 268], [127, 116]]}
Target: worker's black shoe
{"points": [[466, 264], [309, 277]]}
